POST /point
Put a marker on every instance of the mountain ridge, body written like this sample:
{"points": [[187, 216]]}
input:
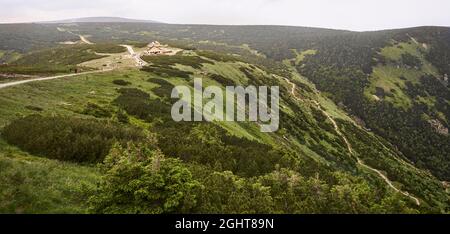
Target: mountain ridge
{"points": [[99, 19]]}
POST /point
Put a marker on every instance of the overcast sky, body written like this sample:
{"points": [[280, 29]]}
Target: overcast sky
{"points": [[339, 14]]}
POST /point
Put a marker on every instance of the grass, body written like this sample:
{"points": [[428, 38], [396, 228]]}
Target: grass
{"points": [[36, 185], [391, 78], [300, 56], [64, 55], [169, 60], [66, 96], [62, 183], [395, 52], [8, 56], [388, 78], [62, 59]]}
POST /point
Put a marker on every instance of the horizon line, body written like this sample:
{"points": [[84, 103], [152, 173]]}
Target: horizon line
{"points": [[149, 21]]}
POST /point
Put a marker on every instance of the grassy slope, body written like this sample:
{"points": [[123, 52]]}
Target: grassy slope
{"points": [[62, 59], [69, 96], [31, 184], [388, 76]]}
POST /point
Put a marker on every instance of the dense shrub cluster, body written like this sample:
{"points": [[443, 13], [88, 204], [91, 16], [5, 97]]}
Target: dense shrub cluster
{"points": [[140, 180], [35, 69], [167, 71], [107, 48], [62, 55], [121, 82], [222, 80], [67, 138], [166, 60], [405, 128], [96, 111], [138, 103], [220, 57], [411, 60], [164, 90]]}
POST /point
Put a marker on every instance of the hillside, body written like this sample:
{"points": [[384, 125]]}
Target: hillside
{"points": [[362, 128]]}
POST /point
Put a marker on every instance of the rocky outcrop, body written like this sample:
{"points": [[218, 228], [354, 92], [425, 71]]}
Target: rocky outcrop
{"points": [[438, 127]]}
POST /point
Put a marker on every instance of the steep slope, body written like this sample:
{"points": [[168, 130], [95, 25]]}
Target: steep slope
{"points": [[403, 96], [320, 160]]}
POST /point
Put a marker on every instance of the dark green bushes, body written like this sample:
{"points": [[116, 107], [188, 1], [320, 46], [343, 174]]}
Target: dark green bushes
{"points": [[138, 103], [68, 138], [140, 180], [165, 88], [34, 108], [222, 80], [96, 111], [210, 145], [107, 48], [411, 60], [220, 57], [166, 60], [167, 71], [121, 82]]}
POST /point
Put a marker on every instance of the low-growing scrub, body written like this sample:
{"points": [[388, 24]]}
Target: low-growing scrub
{"points": [[34, 108], [96, 111], [138, 104], [140, 180], [68, 138], [167, 71], [166, 60], [222, 80], [63, 55], [220, 57], [35, 69], [109, 48], [121, 82], [165, 88]]}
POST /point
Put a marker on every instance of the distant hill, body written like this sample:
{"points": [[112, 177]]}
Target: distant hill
{"points": [[100, 20]]}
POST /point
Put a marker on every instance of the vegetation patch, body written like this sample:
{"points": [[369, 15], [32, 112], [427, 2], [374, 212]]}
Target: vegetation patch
{"points": [[63, 55], [167, 60], [165, 88], [222, 80], [138, 103], [34, 108], [107, 48], [121, 82], [140, 180], [36, 69], [167, 71], [220, 57], [96, 111], [68, 138]]}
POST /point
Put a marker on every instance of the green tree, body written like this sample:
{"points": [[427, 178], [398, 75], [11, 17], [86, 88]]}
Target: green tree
{"points": [[138, 179]]}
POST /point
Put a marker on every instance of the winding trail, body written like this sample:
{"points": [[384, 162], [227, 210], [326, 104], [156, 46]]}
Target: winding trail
{"points": [[139, 63], [14, 83], [349, 146]]}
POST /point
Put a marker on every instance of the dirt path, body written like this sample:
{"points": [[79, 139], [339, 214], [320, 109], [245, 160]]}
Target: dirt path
{"points": [[85, 40], [135, 56], [349, 146], [50, 78]]}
